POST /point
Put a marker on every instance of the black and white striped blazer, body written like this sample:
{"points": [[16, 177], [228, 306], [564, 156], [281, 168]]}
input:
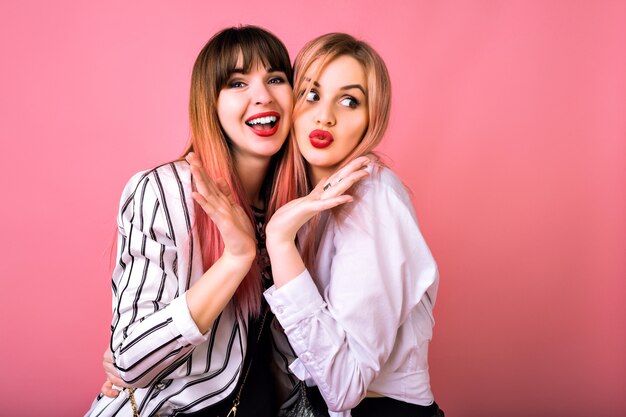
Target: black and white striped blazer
{"points": [[155, 342]]}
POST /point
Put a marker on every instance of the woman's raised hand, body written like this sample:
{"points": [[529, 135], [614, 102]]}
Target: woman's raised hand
{"points": [[328, 193], [217, 201]]}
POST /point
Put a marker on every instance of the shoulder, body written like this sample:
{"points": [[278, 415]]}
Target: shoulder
{"points": [[382, 188], [164, 190], [381, 204], [159, 202], [172, 179]]}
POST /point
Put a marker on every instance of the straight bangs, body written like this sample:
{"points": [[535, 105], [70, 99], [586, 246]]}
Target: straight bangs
{"points": [[266, 51]]}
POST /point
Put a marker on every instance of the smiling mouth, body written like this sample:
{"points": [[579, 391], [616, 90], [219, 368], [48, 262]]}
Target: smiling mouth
{"points": [[263, 124]]}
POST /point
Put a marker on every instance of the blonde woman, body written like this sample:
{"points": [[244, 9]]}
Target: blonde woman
{"points": [[355, 287]]}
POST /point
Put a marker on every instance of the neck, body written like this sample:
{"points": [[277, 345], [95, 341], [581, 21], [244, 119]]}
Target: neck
{"points": [[251, 172], [316, 174]]}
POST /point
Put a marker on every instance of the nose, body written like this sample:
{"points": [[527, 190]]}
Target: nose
{"points": [[261, 94], [325, 115]]}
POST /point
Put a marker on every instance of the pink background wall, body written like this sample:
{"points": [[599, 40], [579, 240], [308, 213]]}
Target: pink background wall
{"points": [[508, 124]]}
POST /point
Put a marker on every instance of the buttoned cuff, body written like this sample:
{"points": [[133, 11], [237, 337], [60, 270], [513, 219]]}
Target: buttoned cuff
{"points": [[181, 318], [294, 301]]}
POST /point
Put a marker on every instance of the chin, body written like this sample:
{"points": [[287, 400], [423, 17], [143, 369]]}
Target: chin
{"points": [[270, 151], [316, 161]]}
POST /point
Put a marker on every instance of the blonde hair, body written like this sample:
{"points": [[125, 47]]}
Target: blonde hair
{"points": [[322, 51], [211, 71]]}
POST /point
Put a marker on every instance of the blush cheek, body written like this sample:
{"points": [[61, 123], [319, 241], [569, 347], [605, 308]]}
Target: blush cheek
{"points": [[301, 136]]}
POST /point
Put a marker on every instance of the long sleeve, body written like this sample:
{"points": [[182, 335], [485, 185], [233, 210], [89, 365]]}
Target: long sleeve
{"points": [[156, 344], [373, 272], [152, 329]]}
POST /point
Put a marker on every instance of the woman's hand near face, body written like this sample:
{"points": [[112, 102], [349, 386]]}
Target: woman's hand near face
{"points": [[282, 228], [208, 297], [328, 193], [217, 202]]}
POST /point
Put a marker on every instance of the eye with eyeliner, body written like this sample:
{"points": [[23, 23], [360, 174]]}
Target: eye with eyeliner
{"points": [[235, 80], [277, 80], [235, 84], [350, 102], [312, 96]]}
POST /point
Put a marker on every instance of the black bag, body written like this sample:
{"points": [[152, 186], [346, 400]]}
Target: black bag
{"points": [[300, 405]]}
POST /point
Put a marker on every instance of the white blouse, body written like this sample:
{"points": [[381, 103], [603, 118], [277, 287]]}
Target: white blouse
{"points": [[362, 320]]}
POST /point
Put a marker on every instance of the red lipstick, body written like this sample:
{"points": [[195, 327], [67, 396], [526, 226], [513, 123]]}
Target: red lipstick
{"points": [[264, 124], [320, 138]]}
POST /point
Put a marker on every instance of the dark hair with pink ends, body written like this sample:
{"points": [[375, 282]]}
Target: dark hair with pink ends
{"points": [[211, 71]]}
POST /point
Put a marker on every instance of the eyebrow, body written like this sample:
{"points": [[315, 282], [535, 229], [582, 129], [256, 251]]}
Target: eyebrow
{"points": [[357, 86], [241, 71], [345, 87]]}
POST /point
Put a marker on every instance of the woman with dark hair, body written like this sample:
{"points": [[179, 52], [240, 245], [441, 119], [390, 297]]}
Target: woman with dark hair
{"points": [[190, 333]]}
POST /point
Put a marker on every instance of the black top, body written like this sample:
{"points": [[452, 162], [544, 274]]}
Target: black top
{"points": [[257, 397]]}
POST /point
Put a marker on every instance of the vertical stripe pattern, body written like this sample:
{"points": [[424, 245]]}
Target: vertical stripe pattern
{"points": [[154, 341]]}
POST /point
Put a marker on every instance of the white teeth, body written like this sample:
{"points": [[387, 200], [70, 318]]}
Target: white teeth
{"points": [[262, 120]]}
